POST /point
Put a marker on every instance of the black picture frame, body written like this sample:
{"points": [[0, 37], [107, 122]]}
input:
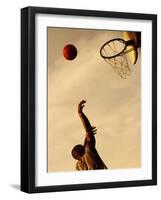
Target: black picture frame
{"points": [[28, 98]]}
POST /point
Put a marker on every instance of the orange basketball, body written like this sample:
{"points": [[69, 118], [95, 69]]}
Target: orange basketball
{"points": [[69, 52]]}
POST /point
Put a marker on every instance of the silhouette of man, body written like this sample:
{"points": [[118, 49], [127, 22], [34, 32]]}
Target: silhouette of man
{"points": [[86, 155]]}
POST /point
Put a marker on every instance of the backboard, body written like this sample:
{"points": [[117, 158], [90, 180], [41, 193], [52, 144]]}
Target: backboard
{"points": [[133, 48]]}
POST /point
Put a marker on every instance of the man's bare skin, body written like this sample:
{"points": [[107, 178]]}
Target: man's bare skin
{"points": [[86, 154]]}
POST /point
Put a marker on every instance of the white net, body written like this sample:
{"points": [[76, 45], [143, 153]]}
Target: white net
{"points": [[119, 62], [120, 65]]}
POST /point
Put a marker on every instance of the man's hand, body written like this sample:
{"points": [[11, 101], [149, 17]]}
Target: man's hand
{"points": [[94, 130], [81, 105]]}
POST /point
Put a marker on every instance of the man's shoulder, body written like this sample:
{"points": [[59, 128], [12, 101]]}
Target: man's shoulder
{"points": [[81, 165]]}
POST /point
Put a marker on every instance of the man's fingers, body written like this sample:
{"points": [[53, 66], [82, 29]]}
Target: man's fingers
{"points": [[82, 106], [94, 128], [82, 102], [94, 132]]}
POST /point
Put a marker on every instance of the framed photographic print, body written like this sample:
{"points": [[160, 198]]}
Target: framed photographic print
{"points": [[88, 99]]}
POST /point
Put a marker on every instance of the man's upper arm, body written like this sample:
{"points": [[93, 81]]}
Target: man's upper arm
{"points": [[90, 140]]}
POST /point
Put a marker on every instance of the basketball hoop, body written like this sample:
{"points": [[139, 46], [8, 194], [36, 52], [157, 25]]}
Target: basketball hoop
{"points": [[115, 53]]}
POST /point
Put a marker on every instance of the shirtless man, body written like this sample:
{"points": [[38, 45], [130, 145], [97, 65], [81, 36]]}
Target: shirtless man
{"points": [[86, 155]]}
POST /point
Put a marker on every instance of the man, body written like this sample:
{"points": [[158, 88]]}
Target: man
{"points": [[87, 155]]}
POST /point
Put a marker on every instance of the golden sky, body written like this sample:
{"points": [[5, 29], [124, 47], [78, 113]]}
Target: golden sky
{"points": [[113, 104]]}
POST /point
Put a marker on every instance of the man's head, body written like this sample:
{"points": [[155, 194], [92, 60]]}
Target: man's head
{"points": [[78, 151]]}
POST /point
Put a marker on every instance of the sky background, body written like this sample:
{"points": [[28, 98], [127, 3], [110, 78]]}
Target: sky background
{"points": [[113, 104]]}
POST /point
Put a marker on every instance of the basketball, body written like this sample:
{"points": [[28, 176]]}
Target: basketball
{"points": [[70, 52]]}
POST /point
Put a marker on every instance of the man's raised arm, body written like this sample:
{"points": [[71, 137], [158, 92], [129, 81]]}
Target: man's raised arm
{"points": [[89, 129]]}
